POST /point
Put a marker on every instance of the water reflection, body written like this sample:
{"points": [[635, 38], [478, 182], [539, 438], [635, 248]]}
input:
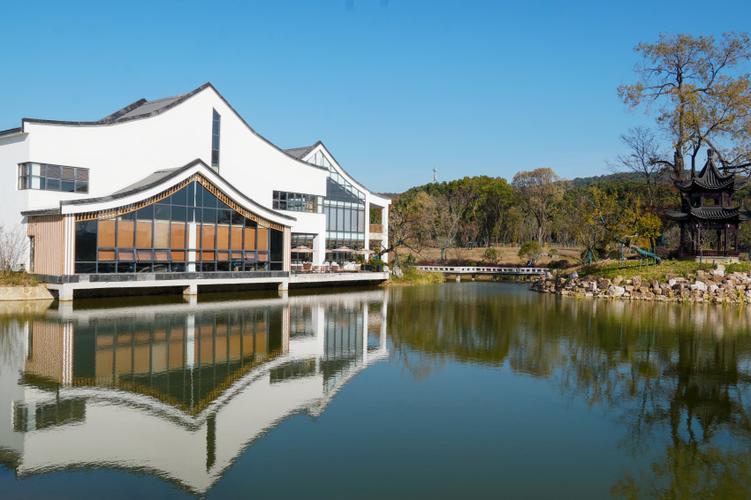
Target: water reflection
{"points": [[176, 390], [676, 377], [595, 397]]}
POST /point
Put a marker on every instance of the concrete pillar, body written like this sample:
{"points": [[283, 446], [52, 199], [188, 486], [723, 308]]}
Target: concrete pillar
{"points": [[191, 289], [458, 278], [367, 226], [65, 293], [287, 252], [319, 247], [283, 286], [385, 222]]}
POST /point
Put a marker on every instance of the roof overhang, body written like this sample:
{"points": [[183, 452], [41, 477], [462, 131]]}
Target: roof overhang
{"points": [[148, 190]]}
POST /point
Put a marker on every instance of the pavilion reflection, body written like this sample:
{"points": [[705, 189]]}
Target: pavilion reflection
{"points": [[178, 390]]}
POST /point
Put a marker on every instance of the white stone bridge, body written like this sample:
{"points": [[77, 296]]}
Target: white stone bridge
{"points": [[494, 270]]}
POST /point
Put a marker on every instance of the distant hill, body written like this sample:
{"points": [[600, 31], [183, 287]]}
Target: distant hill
{"points": [[614, 177], [577, 181]]}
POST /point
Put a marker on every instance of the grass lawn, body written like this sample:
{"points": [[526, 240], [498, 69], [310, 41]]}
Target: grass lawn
{"points": [[668, 268], [12, 278]]}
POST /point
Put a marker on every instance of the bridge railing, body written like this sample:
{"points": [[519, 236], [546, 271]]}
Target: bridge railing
{"points": [[484, 270]]}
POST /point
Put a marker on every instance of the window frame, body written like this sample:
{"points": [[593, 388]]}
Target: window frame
{"points": [[52, 177]]}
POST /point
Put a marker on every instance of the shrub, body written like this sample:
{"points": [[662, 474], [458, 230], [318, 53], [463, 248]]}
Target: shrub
{"points": [[530, 250], [490, 255], [559, 264]]}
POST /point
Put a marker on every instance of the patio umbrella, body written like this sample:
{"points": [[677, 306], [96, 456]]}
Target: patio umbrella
{"points": [[342, 249], [364, 251], [302, 250]]}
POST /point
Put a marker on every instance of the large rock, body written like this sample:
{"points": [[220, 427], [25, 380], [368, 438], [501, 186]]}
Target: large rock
{"points": [[616, 291], [718, 271], [699, 286]]}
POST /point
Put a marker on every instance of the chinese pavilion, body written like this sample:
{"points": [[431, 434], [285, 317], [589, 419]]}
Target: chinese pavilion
{"points": [[708, 218]]}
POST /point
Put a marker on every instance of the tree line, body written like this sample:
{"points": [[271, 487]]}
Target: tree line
{"points": [[697, 91]]}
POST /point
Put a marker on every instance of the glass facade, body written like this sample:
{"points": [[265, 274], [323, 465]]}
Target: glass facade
{"points": [[188, 230], [303, 240], [49, 177], [216, 124], [344, 207], [296, 202]]}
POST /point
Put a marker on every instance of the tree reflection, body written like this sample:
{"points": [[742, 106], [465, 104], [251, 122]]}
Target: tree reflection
{"points": [[672, 374]]}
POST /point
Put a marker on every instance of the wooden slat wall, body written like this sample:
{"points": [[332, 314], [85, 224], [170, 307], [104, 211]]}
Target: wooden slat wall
{"points": [[49, 244]]}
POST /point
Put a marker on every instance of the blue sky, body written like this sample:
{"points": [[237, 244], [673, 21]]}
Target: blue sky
{"points": [[394, 88]]}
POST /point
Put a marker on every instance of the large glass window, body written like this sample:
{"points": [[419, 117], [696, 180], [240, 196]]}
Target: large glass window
{"points": [[48, 177], [158, 238], [296, 202], [216, 123], [344, 207]]}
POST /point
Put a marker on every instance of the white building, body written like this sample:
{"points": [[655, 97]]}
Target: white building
{"points": [[50, 167]]}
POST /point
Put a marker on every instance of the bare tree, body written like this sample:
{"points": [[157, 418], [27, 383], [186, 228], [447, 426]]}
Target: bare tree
{"points": [[408, 228], [447, 213], [643, 159], [12, 248]]}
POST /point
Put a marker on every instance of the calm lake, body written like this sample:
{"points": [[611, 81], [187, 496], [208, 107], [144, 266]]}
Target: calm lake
{"points": [[461, 390]]}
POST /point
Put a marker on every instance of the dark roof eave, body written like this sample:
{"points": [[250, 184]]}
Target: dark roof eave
{"points": [[37, 213], [689, 186], [113, 118], [11, 131]]}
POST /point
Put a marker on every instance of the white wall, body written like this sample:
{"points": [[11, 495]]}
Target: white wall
{"points": [[123, 153], [13, 150]]}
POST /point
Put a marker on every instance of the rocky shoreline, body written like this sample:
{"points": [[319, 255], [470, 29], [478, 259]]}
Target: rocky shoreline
{"points": [[713, 286]]}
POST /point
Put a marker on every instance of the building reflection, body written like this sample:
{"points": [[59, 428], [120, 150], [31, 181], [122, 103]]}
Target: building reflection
{"points": [[177, 390]]}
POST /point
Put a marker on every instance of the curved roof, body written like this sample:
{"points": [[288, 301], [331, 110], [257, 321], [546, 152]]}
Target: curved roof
{"points": [[708, 214], [709, 178], [143, 108]]}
